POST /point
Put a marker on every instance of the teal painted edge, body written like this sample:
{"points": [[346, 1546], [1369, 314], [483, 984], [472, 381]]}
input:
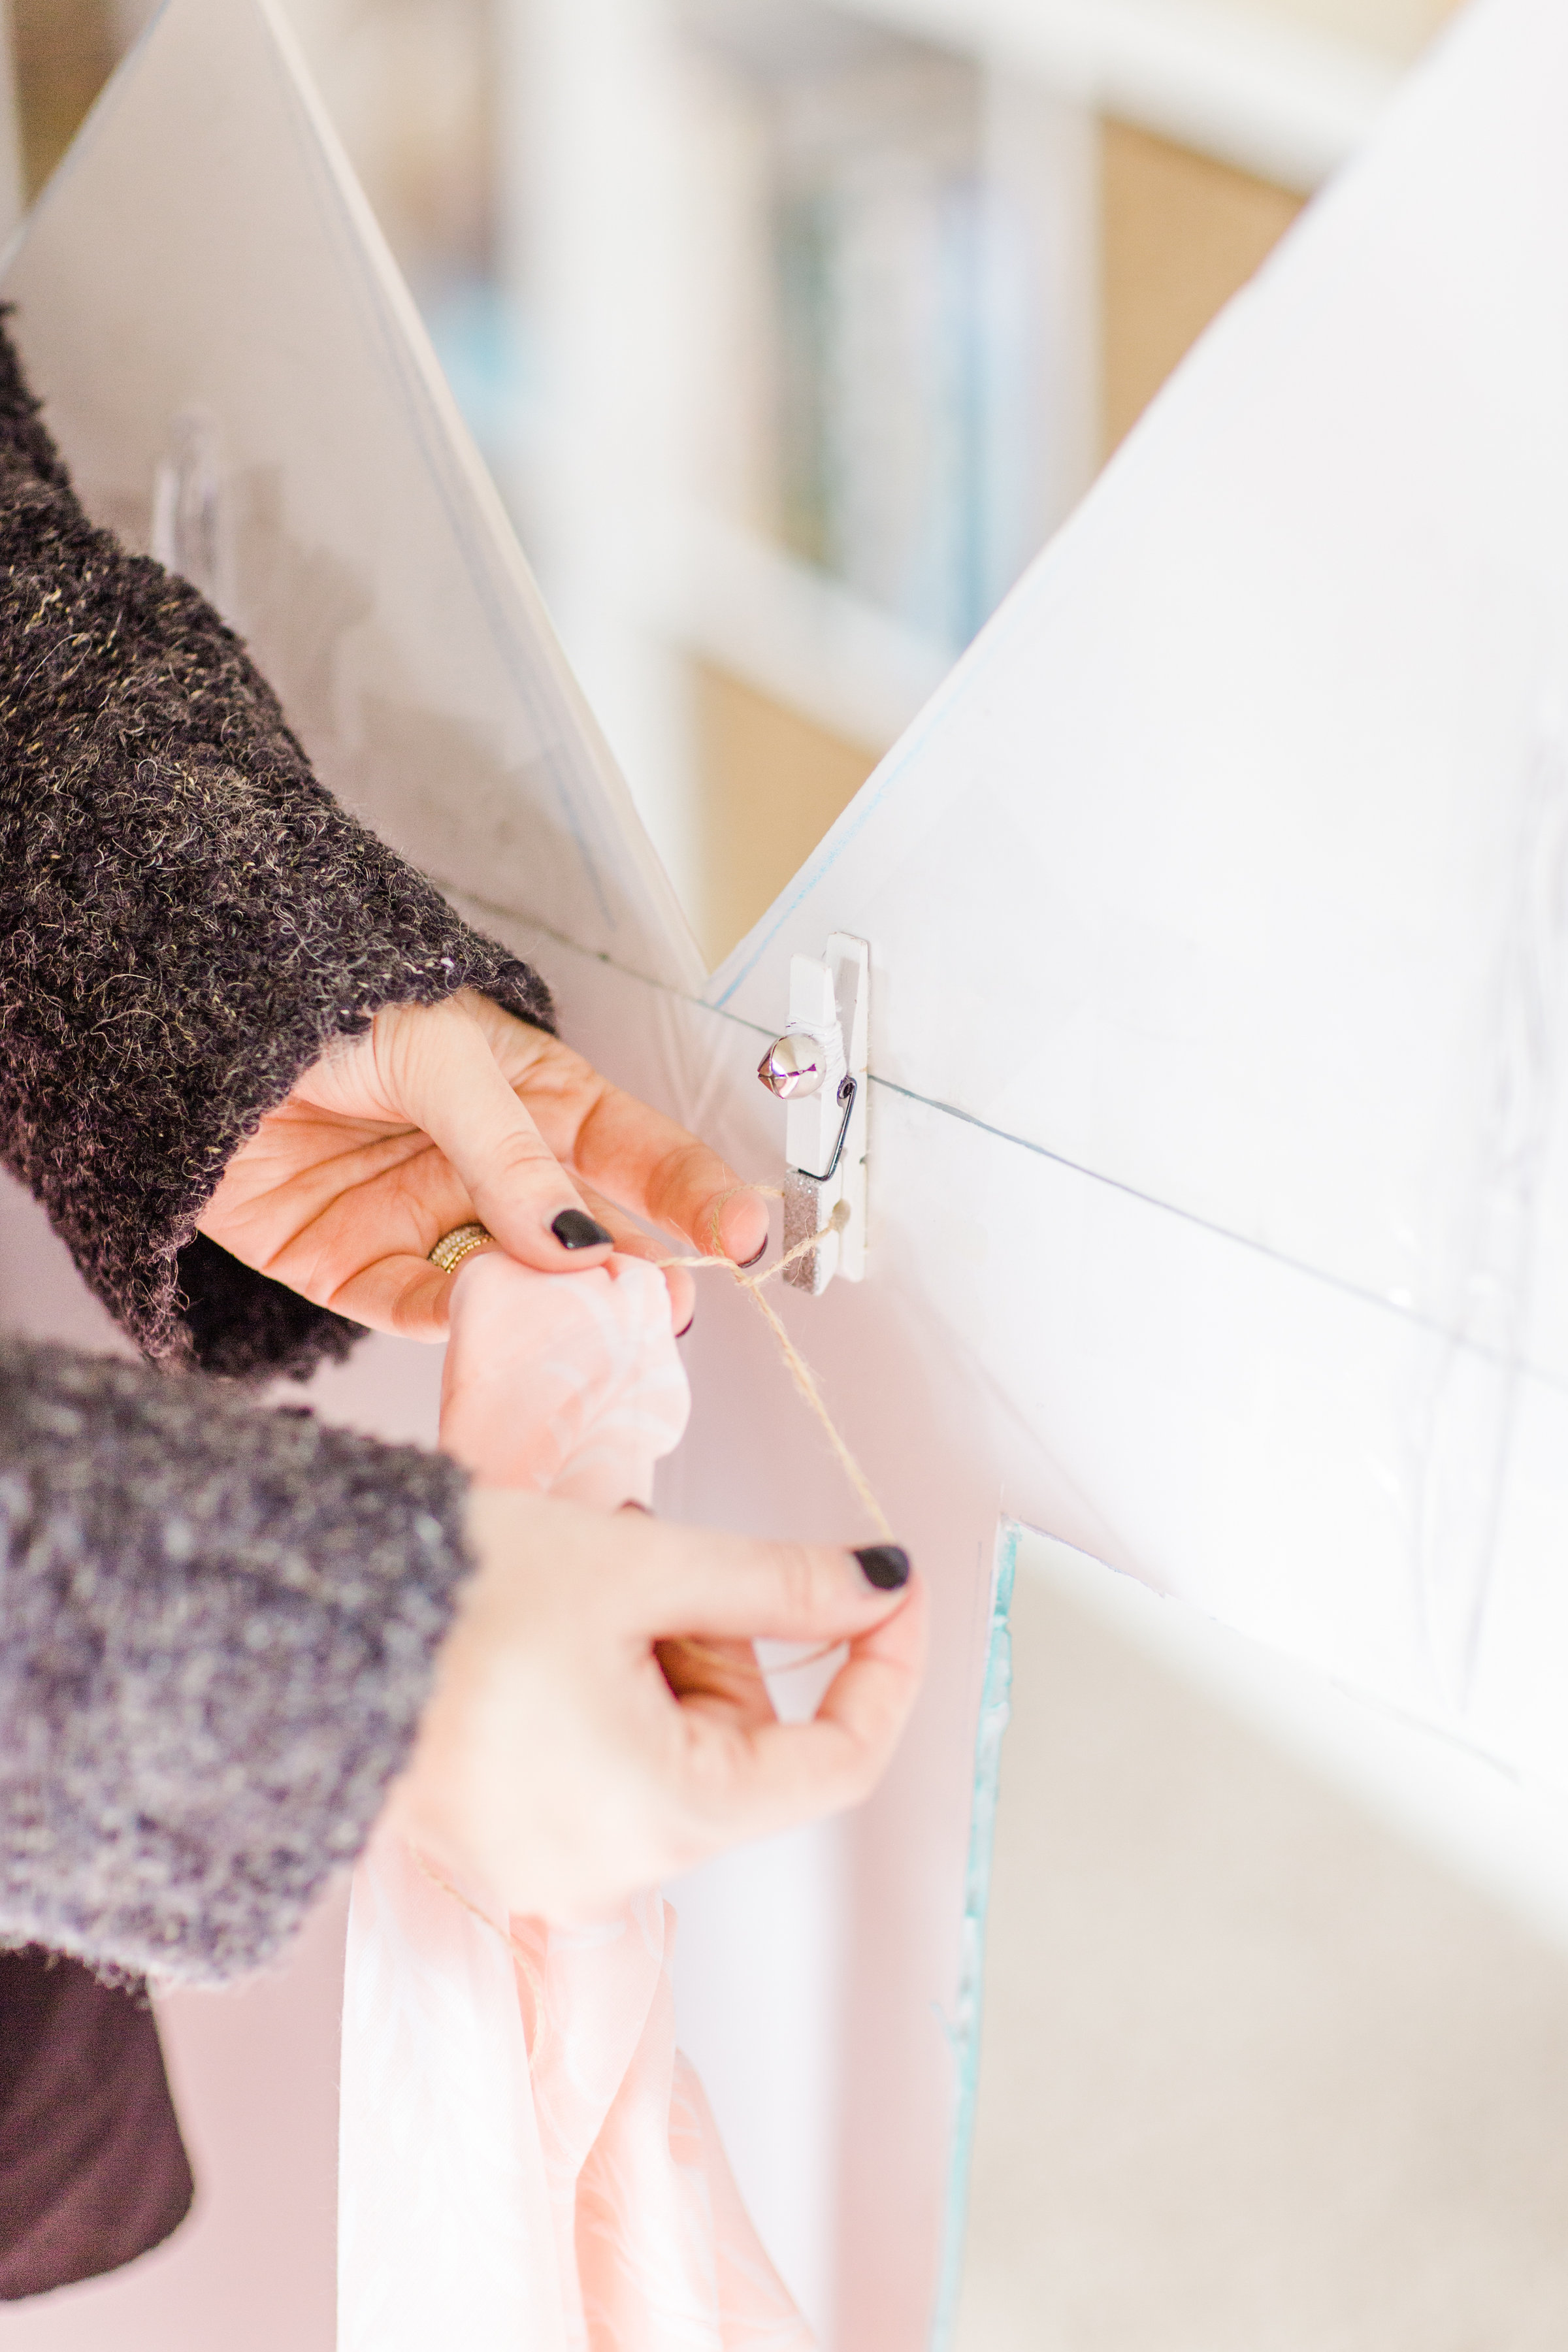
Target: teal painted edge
{"points": [[964, 2032]]}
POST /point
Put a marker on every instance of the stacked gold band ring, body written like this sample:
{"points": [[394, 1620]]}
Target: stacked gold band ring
{"points": [[460, 1243]]}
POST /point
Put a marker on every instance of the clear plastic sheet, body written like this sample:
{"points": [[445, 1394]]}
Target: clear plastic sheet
{"points": [[239, 374]]}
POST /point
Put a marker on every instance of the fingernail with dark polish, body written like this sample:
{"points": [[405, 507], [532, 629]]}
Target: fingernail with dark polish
{"points": [[756, 1257], [687, 1324], [887, 1566], [576, 1229]]}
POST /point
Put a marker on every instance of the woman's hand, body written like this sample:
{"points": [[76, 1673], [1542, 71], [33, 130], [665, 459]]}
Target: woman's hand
{"points": [[444, 1114], [556, 1766]]}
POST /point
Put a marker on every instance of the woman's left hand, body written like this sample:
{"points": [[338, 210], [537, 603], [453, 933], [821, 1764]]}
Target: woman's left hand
{"points": [[447, 1114]]}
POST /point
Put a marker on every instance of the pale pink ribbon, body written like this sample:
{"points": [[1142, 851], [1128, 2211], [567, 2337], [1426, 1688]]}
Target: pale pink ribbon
{"points": [[527, 2162]]}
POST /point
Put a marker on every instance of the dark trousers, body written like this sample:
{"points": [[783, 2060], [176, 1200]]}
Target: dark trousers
{"points": [[92, 2168]]}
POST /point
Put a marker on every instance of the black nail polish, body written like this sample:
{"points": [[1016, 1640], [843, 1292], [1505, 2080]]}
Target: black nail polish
{"points": [[757, 1255], [576, 1229], [887, 1566], [687, 1324]]}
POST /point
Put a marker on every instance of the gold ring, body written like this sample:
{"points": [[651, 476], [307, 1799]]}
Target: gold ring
{"points": [[460, 1243]]}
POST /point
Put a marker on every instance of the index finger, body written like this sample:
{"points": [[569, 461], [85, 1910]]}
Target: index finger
{"points": [[647, 1160], [706, 1582], [446, 1078], [623, 1148]]}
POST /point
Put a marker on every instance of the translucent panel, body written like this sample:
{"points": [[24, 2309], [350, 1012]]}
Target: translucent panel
{"points": [[209, 308]]}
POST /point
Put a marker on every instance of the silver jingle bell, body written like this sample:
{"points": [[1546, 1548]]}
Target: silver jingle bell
{"points": [[793, 1065]]}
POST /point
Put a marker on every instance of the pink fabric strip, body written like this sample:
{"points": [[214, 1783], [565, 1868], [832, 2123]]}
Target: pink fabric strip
{"points": [[527, 2162]]}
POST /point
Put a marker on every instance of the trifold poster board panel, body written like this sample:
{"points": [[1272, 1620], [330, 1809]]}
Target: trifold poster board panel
{"points": [[1226, 878]]}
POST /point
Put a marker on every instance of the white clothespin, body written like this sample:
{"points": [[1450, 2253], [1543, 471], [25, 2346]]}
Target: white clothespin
{"points": [[817, 1068]]}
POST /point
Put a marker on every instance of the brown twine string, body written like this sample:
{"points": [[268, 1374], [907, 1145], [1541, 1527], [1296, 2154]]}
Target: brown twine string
{"points": [[688, 1645], [800, 1370]]}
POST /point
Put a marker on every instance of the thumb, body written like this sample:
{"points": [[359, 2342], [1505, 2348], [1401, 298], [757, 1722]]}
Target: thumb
{"points": [[778, 1774]]}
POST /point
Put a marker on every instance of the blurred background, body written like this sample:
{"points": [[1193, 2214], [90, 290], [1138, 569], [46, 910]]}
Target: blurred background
{"points": [[790, 328]]}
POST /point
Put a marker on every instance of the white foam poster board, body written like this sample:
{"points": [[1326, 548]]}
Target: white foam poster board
{"points": [[1218, 1160]]}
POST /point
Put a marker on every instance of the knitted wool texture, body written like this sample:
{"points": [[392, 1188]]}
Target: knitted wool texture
{"points": [[217, 1626], [187, 919]]}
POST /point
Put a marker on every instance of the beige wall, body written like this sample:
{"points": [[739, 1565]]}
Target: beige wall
{"points": [[64, 50], [1180, 235], [771, 785]]}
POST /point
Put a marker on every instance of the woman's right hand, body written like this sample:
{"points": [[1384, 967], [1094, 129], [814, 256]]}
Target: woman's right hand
{"points": [[556, 1766]]}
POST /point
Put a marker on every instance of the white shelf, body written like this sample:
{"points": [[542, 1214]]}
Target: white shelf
{"points": [[732, 599]]}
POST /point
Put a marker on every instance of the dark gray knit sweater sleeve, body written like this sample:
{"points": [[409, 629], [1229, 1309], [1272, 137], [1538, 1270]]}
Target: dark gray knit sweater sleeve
{"points": [[218, 1629], [186, 919]]}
